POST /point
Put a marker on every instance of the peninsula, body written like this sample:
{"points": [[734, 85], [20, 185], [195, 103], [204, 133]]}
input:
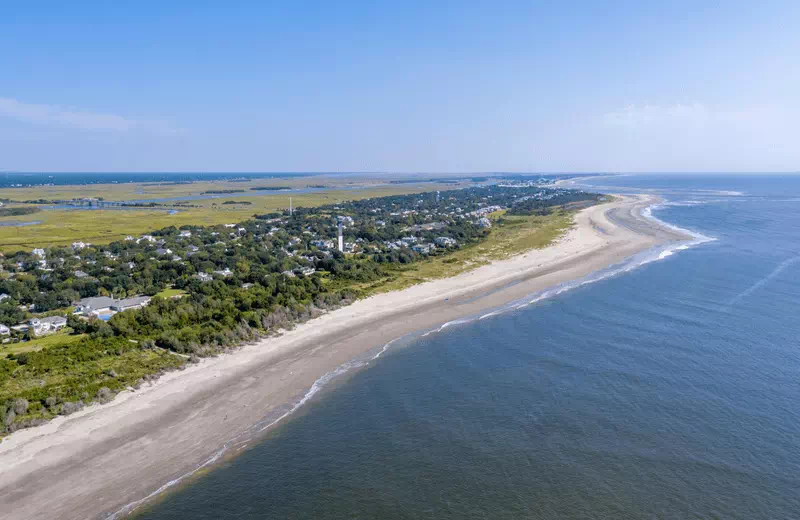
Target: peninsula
{"points": [[105, 460]]}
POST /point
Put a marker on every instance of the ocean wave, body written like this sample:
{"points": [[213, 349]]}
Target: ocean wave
{"points": [[634, 262], [697, 238], [383, 349]]}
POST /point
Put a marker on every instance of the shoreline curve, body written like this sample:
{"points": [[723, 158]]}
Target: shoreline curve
{"points": [[108, 459]]}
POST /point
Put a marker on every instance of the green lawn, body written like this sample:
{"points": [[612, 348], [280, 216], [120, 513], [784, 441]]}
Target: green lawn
{"points": [[170, 293], [62, 337]]}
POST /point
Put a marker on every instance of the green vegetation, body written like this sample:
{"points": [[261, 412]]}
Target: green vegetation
{"points": [[17, 211], [170, 293], [509, 237], [102, 226], [239, 282], [62, 379], [64, 337]]}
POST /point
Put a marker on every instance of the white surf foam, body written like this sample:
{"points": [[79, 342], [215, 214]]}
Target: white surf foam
{"points": [[634, 262]]}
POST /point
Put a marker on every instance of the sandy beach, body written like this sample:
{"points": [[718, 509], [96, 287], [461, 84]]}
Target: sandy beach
{"points": [[100, 462]]}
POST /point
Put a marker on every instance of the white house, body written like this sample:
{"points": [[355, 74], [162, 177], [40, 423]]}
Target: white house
{"points": [[38, 252], [43, 326], [78, 245], [4, 330]]}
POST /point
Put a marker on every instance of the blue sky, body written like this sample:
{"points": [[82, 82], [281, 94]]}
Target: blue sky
{"points": [[400, 86]]}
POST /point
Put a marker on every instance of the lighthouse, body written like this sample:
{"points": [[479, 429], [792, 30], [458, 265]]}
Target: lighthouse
{"points": [[341, 239]]}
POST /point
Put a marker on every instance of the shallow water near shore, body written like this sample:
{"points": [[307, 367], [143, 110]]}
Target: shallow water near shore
{"points": [[669, 391]]}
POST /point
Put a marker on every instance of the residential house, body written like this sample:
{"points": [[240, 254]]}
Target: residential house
{"points": [[136, 302], [94, 305], [423, 249], [43, 326], [445, 242]]}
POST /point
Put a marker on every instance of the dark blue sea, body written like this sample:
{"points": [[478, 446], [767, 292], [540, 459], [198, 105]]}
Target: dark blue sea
{"points": [[669, 391]]}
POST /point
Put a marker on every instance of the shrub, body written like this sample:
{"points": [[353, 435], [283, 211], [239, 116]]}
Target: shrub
{"points": [[20, 406], [104, 395], [71, 407]]}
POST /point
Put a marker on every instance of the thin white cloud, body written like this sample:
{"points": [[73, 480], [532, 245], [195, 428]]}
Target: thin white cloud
{"points": [[692, 116], [54, 115], [698, 137], [643, 116]]}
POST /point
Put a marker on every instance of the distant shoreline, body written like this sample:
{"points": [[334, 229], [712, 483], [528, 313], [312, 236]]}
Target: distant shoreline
{"points": [[95, 462]]}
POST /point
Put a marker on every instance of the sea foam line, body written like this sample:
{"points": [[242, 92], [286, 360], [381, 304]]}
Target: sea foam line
{"points": [[634, 262], [759, 284]]}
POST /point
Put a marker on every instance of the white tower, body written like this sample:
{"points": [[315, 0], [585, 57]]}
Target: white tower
{"points": [[341, 240], [290, 206], [437, 196]]}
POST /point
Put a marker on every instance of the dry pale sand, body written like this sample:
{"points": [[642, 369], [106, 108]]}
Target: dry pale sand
{"points": [[95, 462]]}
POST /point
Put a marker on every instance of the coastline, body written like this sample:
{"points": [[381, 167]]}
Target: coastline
{"points": [[95, 462]]}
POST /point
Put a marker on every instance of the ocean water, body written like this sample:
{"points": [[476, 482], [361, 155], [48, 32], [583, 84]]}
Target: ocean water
{"points": [[669, 391]]}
